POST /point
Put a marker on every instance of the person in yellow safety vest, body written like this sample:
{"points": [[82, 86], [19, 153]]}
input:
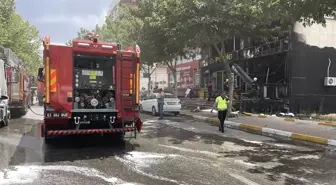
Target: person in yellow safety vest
{"points": [[221, 105]]}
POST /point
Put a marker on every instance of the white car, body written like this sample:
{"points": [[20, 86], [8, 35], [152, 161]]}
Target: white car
{"points": [[150, 104]]}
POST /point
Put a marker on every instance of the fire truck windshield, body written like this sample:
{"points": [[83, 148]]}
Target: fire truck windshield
{"points": [[15, 78]]}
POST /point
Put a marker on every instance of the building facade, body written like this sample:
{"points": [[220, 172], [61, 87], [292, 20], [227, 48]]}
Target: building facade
{"points": [[159, 78], [187, 75], [312, 60], [297, 71], [114, 10]]}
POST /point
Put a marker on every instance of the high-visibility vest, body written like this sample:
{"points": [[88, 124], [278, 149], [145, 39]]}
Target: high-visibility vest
{"points": [[221, 103]]}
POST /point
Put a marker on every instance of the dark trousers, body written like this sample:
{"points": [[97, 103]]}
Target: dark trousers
{"points": [[209, 93], [222, 117], [160, 107]]}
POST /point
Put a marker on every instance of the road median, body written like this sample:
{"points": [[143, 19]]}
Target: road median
{"points": [[264, 130]]}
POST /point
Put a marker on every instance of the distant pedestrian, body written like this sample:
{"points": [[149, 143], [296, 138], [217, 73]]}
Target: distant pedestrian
{"points": [[160, 101], [226, 86], [221, 106], [209, 89]]}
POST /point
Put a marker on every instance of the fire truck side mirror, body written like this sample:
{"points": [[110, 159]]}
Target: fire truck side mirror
{"points": [[40, 75]]}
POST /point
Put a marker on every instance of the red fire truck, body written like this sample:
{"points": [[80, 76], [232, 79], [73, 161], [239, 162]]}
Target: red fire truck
{"points": [[40, 92], [18, 83], [91, 87]]}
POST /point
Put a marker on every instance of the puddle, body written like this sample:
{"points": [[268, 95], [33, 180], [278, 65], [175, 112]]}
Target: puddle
{"points": [[213, 154], [146, 159], [247, 164], [140, 161], [230, 146], [305, 157], [30, 174]]}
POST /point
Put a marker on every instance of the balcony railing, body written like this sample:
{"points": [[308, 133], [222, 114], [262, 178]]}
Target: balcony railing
{"points": [[270, 48]]}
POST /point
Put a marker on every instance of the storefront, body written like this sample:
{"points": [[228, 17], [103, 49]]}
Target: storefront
{"points": [[214, 72], [187, 75]]}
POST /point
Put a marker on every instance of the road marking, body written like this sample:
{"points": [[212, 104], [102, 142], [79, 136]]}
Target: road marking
{"points": [[243, 179]]}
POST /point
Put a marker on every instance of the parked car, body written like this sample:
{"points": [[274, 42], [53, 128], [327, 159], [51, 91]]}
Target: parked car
{"points": [[150, 104]]}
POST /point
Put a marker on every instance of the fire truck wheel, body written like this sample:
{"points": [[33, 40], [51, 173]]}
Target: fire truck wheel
{"points": [[47, 139], [24, 110], [154, 113], [6, 121]]}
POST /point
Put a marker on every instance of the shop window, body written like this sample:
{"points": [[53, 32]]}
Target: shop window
{"points": [[219, 81]]}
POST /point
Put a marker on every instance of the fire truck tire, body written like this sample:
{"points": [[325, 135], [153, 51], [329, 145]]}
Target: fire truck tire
{"points": [[6, 121], [47, 139], [24, 111], [154, 113]]}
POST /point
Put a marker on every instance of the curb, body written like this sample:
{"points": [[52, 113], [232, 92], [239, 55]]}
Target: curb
{"points": [[255, 115], [247, 114], [327, 124], [266, 131], [289, 119]]}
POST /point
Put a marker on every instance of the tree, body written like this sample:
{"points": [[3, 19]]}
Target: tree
{"points": [[20, 36], [80, 35], [201, 23], [308, 11], [156, 37], [7, 8]]}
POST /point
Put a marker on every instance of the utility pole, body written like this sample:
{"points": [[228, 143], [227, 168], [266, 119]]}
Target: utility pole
{"points": [[231, 87]]}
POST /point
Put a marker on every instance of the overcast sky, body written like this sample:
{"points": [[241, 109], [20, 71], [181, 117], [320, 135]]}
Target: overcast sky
{"points": [[61, 19]]}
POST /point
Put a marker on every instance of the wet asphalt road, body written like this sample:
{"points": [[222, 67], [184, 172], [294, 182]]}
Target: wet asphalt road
{"points": [[167, 152]]}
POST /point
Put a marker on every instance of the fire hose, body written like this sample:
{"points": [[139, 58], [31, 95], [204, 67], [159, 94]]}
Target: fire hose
{"points": [[35, 112]]}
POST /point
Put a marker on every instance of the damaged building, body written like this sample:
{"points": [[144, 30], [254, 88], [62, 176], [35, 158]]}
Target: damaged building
{"points": [[293, 73]]}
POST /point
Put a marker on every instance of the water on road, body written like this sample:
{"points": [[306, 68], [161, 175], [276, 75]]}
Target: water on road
{"points": [[167, 152]]}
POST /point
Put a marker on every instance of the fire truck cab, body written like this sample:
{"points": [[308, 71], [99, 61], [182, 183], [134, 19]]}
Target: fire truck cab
{"points": [[91, 87], [4, 106], [18, 82]]}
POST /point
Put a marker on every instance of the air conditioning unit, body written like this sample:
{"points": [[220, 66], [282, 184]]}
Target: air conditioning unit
{"points": [[330, 81]]}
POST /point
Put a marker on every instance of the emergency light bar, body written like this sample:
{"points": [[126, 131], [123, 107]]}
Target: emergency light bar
{"points": [[83, 44], [107, 47]]}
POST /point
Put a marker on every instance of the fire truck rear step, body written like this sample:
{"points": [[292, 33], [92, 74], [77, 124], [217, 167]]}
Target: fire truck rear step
{"points": [[88, 131], [94, 110]]}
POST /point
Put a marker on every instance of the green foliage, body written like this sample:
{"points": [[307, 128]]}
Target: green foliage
{"points": [[7, 8], [167, 30], [22, 37], [306, 11], [80, 35]]}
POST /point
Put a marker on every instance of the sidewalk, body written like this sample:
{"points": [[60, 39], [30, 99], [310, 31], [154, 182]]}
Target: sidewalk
{"points": [[274, 126]]}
